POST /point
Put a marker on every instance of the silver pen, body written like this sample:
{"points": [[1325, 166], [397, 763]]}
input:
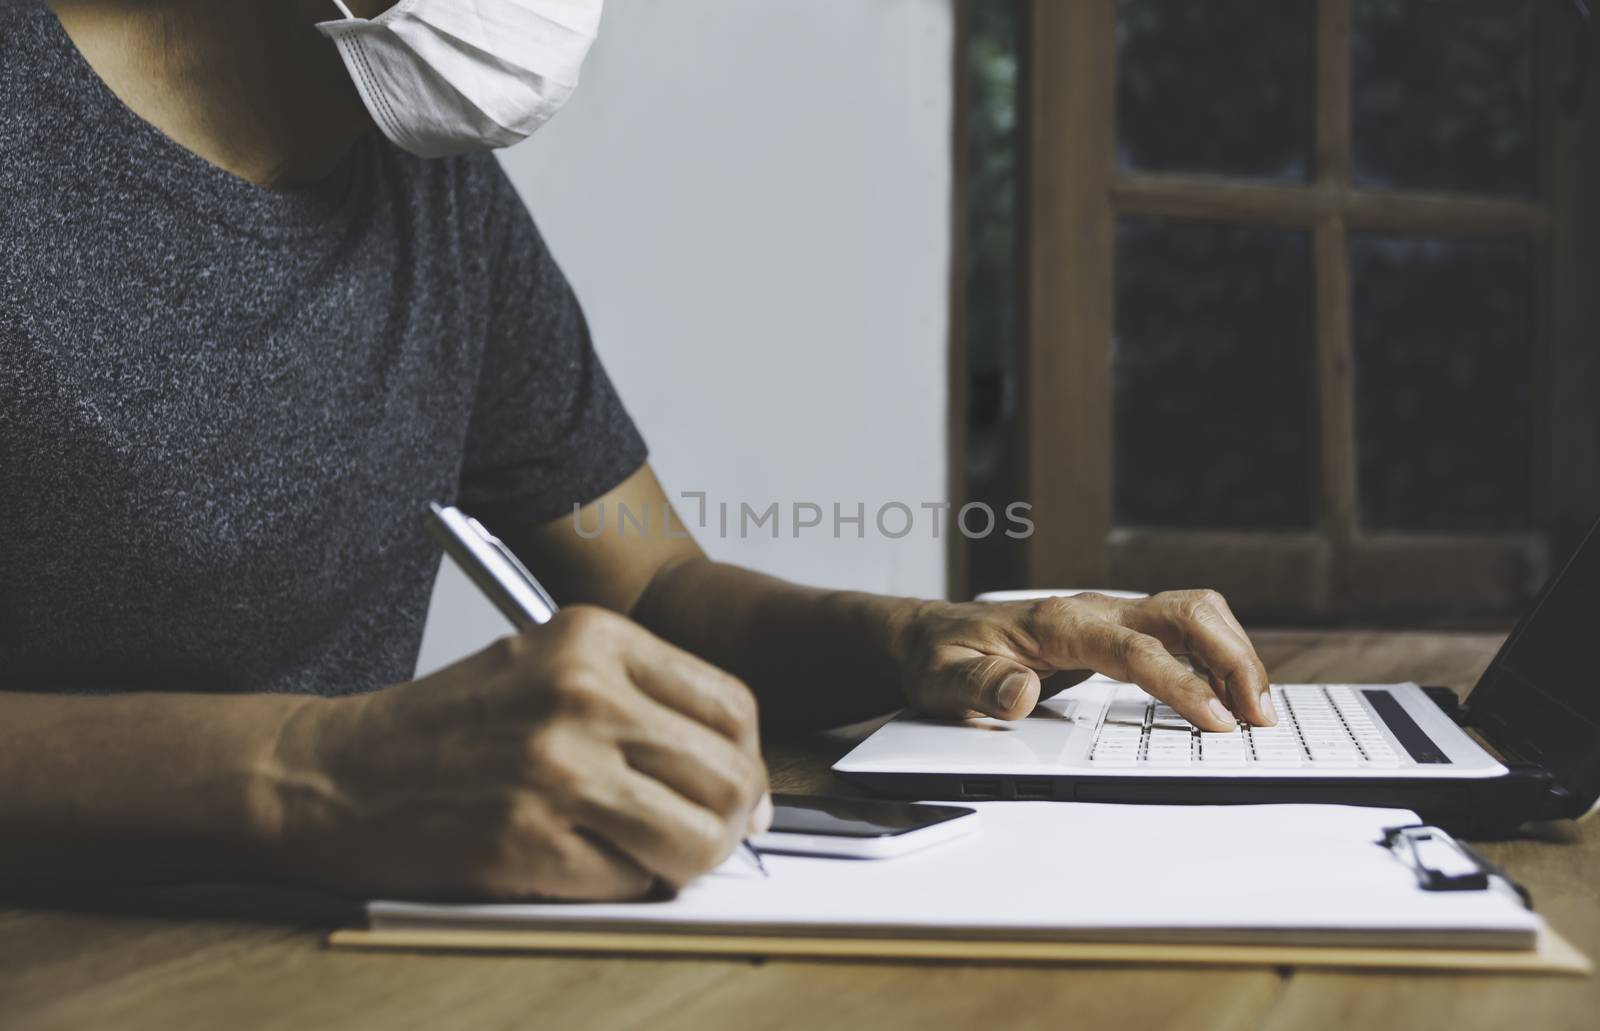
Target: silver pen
{"points": [[506, 582]]}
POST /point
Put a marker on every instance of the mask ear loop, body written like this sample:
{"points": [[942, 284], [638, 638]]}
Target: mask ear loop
{"points": [[346, 11]]}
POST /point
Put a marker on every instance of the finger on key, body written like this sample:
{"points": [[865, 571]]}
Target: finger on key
{"points": [[1126, 654], [1191, 622], [1265, 697]]}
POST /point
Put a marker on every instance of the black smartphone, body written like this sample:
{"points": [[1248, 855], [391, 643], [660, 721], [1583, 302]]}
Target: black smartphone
{"points": [[860, 828]]}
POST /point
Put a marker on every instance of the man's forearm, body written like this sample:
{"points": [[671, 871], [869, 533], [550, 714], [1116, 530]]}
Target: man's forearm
{"points": [[140, 787], [813, 658]]}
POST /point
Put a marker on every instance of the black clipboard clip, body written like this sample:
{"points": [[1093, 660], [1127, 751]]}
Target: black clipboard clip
{"points": [[1442, 863]]}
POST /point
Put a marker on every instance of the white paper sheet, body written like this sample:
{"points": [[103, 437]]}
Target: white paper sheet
{"points": [[1291, 874]]}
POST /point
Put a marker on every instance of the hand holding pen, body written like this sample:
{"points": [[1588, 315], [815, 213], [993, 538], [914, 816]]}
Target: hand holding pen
{"points": [[685, 714]]}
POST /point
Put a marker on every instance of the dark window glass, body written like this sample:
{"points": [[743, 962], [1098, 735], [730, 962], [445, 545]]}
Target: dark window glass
{"points": [[1443, 95], [1443, 378], [1215, 376], [1220, 87], [993, 449]]}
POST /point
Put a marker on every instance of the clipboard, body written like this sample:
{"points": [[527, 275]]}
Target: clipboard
{"points": [[1385, 897], [1442, 863], [1553, 955]]}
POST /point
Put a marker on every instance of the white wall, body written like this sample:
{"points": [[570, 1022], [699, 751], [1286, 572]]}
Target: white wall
{"points": [[752, 199]]}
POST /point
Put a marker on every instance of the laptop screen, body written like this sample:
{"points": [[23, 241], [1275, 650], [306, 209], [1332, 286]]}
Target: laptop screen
{"points": [[1541, 695]]}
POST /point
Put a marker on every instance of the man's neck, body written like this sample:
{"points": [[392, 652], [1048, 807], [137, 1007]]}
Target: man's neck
{"points": [[248, 85]]}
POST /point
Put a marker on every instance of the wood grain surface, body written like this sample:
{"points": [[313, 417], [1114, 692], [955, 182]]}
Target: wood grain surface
{"points": [[239, 958]]}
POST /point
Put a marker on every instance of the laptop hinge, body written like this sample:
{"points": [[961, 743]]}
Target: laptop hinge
{"points": [[1461, 714], [1528, 792]]}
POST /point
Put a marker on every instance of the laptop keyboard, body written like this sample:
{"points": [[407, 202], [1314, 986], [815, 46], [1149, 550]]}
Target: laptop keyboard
{"points": [[1319, 725]]}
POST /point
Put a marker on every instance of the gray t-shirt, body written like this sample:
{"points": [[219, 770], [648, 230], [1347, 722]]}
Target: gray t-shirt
{"points": [[223, 409]]}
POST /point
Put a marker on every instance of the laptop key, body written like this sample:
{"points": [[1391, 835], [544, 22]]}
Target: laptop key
{"points": [[1222, 743], [1126, 714]]}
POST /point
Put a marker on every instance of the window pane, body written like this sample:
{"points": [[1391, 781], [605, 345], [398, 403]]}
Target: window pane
{"points": [[1215, 371], [994, 446], [1443, 94], [1218, 87], [1444, 372]]}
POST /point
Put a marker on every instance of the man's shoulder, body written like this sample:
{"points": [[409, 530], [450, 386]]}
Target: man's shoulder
{"points": [[467, 181], [468, 196]]}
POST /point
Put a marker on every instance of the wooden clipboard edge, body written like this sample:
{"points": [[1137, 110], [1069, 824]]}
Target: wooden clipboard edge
{"points": [[1554, 954]]}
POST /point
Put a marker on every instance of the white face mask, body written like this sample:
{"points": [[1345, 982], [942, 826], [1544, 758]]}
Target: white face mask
{"points": [[449, 76]]}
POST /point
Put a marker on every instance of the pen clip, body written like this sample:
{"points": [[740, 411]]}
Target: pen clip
{"points": [[1442, 863], [515, 563], [492, 566]]}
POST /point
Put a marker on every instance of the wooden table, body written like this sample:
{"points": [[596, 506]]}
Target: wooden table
{"points": [[252, 958]]}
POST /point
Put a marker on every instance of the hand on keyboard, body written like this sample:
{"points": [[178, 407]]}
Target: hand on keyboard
{"points": [[982, 659], [1326, 726]]}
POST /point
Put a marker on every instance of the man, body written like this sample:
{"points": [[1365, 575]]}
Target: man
{"points": [[244, 338]]}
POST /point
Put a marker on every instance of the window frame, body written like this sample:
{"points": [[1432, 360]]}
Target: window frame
{"points": [[1072, 194]]}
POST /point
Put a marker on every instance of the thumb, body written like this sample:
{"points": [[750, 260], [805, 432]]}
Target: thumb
{"points": [[986, 684]]}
